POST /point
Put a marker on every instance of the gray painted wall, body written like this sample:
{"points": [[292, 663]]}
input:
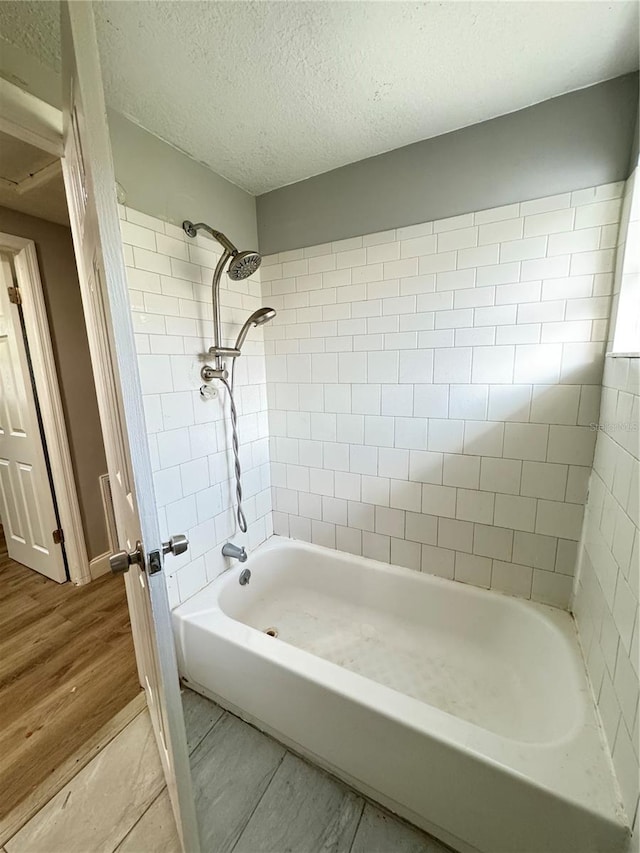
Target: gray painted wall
{"points": [[162, 181], [571, 142]]}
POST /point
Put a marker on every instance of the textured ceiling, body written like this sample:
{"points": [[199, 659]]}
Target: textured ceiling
{"points": [[268, 93]]}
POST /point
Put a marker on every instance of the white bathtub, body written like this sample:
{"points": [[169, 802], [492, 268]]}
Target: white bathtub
{"points": [[465, 711]]}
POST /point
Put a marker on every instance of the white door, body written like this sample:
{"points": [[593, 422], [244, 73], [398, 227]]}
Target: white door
{"points": [[27, 509], [91, 192]]}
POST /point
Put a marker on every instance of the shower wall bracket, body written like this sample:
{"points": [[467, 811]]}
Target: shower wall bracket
{"points": [[208, 373]]}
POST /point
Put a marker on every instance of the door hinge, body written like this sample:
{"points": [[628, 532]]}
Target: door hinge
{"points": [[14, 295], [58, 536]]}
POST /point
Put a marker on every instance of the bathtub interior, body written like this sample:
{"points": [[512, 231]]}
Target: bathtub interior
{"points": [[488, 659]]}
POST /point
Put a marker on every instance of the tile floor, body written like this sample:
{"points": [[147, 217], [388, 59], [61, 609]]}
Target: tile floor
{"points": [[255, 796], [252, 796]]}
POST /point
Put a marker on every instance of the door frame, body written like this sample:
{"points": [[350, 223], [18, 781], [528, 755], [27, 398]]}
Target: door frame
{"points": [[40, 348], [26, 117]]}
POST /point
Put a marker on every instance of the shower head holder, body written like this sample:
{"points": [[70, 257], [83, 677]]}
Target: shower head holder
{"points": [[225, 352]]}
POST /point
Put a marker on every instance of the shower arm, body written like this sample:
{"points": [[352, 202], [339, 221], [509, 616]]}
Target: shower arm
{"points": [[192, 229]]}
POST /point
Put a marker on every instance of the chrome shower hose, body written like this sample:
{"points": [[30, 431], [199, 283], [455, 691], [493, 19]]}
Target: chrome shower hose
{"points": [[242, 521]]}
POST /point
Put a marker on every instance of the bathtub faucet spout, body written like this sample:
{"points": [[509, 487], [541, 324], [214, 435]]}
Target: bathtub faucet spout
{"points": [[231, 550]]}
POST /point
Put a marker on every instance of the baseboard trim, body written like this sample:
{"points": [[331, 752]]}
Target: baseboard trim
{"points": [[99, 565]]}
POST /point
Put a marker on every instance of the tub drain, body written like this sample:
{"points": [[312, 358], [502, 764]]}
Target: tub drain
{"points": [[271, 632]]}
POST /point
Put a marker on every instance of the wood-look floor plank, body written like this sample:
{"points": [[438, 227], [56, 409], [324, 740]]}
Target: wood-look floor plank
{"points": [[380, 832], [100, 805], [200, 716], [302, 811], [67, 666], [22, 648], [155, 832], [99, 599], [57, 710], [64, 657], [17, 609], [230, 770]]}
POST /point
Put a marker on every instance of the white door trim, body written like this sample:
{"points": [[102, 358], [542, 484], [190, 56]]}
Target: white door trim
{"points": [[100, 565], [36, 323], [30, 119]]}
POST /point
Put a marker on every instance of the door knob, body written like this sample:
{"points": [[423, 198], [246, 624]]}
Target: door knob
{"points": [[176, 545], [121, 560]]}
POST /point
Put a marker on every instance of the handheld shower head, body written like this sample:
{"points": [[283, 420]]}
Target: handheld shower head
{"points": [[262, 315]]}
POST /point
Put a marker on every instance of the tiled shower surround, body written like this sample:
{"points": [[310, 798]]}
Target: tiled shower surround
{"points": [[433, 394], [169, 278], [431, 390], [607, 594]]}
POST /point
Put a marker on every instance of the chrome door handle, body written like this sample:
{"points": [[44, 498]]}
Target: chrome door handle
{"points": [[122, 560], [176, 545]]}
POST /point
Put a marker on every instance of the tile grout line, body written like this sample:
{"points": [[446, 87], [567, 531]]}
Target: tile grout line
{"points": [[208, 732], [139, 764], [261, 797], [133, 826], [355, 834]]}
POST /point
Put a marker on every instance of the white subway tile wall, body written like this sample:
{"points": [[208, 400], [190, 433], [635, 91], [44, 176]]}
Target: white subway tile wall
{"points": [[607, 586], [430, 390], [169, 278]]}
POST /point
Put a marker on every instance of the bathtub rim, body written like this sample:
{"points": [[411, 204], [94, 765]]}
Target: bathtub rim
{"points": [[554, 618]]}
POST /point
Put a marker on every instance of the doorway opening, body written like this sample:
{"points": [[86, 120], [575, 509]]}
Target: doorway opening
{"points": [[67, 660], [29, 510]]}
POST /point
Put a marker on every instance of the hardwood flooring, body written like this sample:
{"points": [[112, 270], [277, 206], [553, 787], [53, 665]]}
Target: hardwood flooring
{"points": [[67, 666]]}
